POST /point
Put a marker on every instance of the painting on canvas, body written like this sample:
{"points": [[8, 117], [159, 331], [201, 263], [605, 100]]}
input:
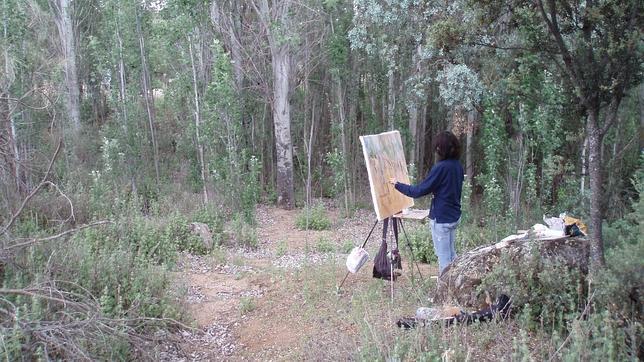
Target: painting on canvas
{"points": [[385, 158]]}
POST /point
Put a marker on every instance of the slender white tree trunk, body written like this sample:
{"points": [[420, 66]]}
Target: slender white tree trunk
{"points": [[391, 98], [195, 86], [413, 131], [343, 139], [68, 43], [122, 82], [309, 154], [7, 80], [147, 95]]}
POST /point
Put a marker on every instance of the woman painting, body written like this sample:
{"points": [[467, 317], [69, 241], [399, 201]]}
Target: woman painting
{"points": [[445, 182]]}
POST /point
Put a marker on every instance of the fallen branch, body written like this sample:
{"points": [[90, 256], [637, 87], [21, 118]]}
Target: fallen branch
{"points": [[31, 241]]}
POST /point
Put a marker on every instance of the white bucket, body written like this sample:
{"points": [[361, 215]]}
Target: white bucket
{"points": [[356, 259]]}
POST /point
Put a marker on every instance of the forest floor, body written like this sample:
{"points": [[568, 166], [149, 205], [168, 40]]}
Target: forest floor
{"points": [[279, 301]]}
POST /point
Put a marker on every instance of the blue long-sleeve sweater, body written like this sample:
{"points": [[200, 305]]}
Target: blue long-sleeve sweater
{"points": [[445, 181]]}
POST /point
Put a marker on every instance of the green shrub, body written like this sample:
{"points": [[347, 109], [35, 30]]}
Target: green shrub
{"points": [[215, 219], [420, 240], [246, 305], [324, 245], [347, 246], [282, 248], [548, 292], [314, 218], [101, 267], [244, 234]]}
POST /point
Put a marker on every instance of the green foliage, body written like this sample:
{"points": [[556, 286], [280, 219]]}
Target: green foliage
{"points": [[420, 239], [281, 249], [619, 284], [548, 292], [459, 86], [313, 218], [111, 264], [324, 245], [214, 218], [347, 246], [243, 233], [446, 34], [159, 240], [336, 162], [246, 305]]}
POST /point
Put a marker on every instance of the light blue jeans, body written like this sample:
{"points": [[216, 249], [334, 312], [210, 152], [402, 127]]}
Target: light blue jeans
{"points": [[444, 238]]}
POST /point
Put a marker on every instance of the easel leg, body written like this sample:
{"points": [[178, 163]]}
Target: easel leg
{"points": [[391, 259], [363, 245], [411, 250]]}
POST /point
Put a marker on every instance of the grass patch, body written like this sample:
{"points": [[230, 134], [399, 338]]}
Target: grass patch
{"points": [[313, 218], [281, 249], [244, 234], [324, 245], [246, 305], [346, 246]]}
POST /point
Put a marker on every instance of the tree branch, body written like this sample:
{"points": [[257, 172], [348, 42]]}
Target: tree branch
{"points": [[554, 30], [52, 237], [34, 191]]}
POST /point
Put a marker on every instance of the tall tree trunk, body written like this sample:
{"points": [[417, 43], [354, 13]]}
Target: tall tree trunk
{"points": [[594, 170], [68, 42], [12, 154], [640, 99], [281, 64], [391, 98], [413, 131], [123, 96], [147, 95], [472, 116], [195, 86], [422, 131], [281, 67], [350, 127], [584, 167], [343, 139]]}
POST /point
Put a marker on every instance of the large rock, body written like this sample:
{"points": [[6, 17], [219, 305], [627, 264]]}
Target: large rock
{"points": [[459, 283], [203, 231]]}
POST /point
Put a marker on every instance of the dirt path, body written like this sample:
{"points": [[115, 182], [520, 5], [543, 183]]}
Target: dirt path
{"points": [[277, 302]]}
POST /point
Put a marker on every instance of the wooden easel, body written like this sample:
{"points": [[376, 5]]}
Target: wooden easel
{"points": [[397, 219]]}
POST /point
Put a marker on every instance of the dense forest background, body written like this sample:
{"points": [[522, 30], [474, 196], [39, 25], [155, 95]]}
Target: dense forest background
{"points": [[121, 109]]}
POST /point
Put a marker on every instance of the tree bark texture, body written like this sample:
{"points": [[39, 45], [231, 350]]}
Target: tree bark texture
{"points": [[278, 13], [281, 63], [594, 170], [9, 146], [68, 44]]}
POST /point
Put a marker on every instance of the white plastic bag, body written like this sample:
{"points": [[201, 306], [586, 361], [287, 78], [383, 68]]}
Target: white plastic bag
{"points": [[356, 259]]}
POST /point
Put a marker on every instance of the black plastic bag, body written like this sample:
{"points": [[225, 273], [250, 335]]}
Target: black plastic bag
{"points": [[382, 264]]}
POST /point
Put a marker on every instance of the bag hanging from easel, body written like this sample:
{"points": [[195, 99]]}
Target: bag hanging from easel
{"points": [[382, 265]]}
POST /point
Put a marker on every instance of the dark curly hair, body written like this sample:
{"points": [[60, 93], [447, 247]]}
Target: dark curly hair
{"points": [[447, 146]]}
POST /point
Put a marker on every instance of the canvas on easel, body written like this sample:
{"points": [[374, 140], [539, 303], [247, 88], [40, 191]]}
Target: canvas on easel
{"points": [[385, 159]]}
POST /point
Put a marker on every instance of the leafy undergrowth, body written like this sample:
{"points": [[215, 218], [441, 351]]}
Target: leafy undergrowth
{"points": [[360, 322], [106, 292]]}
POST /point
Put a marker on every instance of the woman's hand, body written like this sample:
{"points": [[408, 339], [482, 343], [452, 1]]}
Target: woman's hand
{"points": [[392, 180]]}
